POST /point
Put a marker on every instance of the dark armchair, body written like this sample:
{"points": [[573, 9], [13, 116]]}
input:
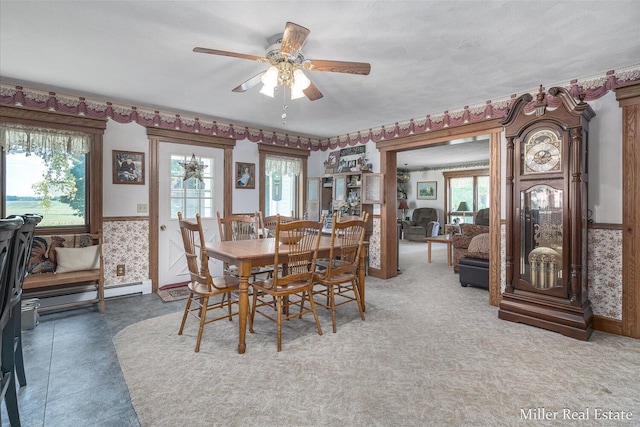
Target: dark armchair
{"points": [[424, 223], [482, 217]]}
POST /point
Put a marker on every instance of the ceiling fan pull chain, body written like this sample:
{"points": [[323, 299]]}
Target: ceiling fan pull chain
{"points": [[284, 105]]}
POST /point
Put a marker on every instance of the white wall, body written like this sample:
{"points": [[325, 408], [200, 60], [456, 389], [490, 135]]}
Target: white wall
{"points": [[246, 200], [605, 160], [412, 192], [122, 199]]}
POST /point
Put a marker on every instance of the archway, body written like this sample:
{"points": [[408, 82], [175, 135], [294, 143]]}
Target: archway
{"points": [[388, 164]]}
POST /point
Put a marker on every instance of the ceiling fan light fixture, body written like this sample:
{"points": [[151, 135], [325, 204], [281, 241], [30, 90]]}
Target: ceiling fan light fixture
{"points": [[296, 93], [300, 80], [267, 90], [270, 77]]}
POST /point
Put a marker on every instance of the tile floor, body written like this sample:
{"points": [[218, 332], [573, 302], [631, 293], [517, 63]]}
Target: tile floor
{"points": [[73, 375]]}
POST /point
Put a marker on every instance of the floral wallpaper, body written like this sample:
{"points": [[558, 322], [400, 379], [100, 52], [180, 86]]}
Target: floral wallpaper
{"points": [[605, 272], [125, 242], [374, 244]]}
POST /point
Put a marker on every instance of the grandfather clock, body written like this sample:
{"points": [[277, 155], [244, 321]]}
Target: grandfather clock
{"points": [[546, 233]]}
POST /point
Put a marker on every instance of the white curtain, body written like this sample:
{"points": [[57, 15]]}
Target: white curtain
{"points": [[43, 142], [285, 166]]}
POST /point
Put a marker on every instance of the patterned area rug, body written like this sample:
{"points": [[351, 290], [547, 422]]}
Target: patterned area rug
{"points": [[430, 353], [174, 292]]}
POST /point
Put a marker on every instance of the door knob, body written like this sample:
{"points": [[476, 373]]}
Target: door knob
{"points": [[163, 227]]}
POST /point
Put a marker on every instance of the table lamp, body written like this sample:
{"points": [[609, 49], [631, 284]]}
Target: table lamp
{"points": [[404, 206], [463, 207]]}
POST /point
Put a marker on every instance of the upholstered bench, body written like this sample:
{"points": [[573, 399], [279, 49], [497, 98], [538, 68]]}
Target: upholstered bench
{"points": [[59, 263], [474, 271]]}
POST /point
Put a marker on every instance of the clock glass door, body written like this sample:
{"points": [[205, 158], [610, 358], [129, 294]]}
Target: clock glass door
{"points": [[541, 240]]}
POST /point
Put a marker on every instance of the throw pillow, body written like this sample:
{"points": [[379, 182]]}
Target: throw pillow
{"points": [[78, 259], [479, 243]]}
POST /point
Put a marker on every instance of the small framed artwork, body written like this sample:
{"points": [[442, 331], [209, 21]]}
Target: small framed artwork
{"points": [[245, 175], [128, 167], [427, 190], [331, 164]]}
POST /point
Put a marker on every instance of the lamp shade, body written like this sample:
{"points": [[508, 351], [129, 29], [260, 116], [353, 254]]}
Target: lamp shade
{"points": [[463, 207], [403, 204]]}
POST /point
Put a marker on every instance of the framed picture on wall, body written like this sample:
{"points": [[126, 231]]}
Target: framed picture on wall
{"points": [[427, 190], [372, 185], [128, 167], [245, 175]]}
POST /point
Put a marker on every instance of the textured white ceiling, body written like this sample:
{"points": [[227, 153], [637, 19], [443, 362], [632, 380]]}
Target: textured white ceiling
{"points": [[426, 56]]}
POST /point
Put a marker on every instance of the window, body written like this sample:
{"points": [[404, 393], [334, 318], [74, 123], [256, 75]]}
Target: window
{"points": [[191, 196], [54, 187], [52, 165], [467, 193], [282, 189], [282, 185]]}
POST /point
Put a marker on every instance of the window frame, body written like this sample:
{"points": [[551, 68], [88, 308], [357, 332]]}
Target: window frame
{"points": [[92, 126], [297, 153], [466, 173]]}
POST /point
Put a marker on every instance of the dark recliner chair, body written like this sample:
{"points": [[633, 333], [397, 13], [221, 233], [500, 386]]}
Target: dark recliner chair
{"points": [[424, 223], [482, 217]]}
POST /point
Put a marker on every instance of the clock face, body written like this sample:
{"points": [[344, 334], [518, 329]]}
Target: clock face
{"points": [[542, 152]]}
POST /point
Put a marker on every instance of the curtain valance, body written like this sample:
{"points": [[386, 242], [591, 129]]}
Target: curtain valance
{"points": [[282, 165], [15, 138]]}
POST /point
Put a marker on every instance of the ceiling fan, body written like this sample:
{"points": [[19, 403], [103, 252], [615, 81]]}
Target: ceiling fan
{"points": [[287, 64]]}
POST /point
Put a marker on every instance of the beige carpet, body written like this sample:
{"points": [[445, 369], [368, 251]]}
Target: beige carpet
{"points": [[430, 353]]}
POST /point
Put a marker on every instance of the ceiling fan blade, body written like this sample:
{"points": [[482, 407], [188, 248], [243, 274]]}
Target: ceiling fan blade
{"points": [[249, 83], [225, 53], [312, 92], [293, 38], [361, 68]]}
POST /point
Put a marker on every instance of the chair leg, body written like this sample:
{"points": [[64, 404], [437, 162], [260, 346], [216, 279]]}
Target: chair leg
{"points": [[7, 356], [11, 400], [228, 296], [253, 310], [358, 299], [279, 321], [315, 314], [203, 317], [186, 313], [16, 314], [331, 297], [22, 378]]}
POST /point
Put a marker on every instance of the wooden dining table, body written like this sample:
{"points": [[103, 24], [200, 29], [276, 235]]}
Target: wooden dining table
{"points": [[246, 254]]}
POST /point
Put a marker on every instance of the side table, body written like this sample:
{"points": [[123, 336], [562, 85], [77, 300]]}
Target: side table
{"points": [[439, 239]]}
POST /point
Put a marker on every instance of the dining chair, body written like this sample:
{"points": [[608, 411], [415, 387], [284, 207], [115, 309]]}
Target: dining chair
{"points": [[296, 248], [12, 333], [238, 227], [202, 286], [269, 223], [241, 227], [8, 230], [340, 278]]}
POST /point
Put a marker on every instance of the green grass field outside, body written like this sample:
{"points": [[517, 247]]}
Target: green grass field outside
{"points": [[58, 214]]}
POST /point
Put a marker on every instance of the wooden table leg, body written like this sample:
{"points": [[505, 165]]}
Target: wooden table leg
{"points": [[429, 252], [243, 311], [449, 246]]}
